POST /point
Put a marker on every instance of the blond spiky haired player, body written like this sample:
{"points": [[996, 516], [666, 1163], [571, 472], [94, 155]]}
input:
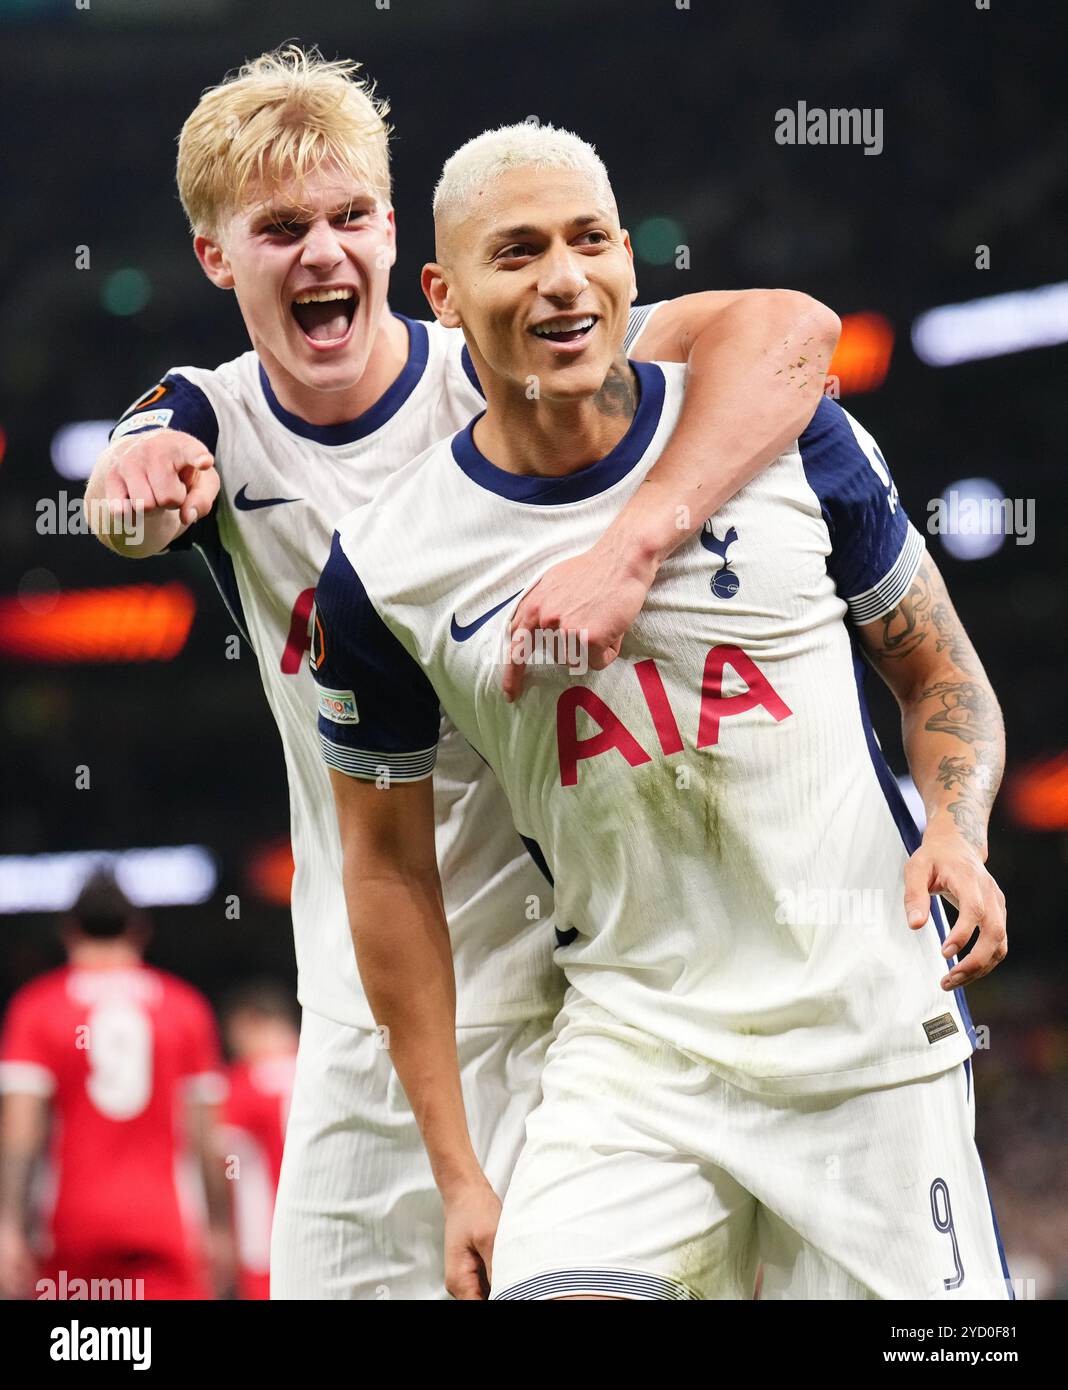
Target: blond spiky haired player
{"points": [[284, 174]]}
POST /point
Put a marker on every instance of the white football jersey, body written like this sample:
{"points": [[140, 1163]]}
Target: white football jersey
{"points": [[726, 840], [285, 483]]}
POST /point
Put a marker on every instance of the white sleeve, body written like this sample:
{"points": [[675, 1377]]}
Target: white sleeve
{"points": [[640, 314]]}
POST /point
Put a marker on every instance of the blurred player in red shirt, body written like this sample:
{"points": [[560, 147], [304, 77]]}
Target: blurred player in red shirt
{"points": [[117, 1065], [261, 1034]]}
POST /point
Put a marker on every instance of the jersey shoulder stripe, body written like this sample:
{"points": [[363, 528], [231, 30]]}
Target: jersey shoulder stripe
{"points": [[368, 765], [377, 709], [885, 596], [875, 550], [640, 315]]}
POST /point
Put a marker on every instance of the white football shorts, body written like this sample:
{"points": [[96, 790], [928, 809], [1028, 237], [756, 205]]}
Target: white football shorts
{"points": [[357, 1214], [647, 1176]]}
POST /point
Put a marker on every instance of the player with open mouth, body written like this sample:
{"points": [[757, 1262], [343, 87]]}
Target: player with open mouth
{"points": [[567, 333], [283, 171], [723, 1038], [326, 314]]}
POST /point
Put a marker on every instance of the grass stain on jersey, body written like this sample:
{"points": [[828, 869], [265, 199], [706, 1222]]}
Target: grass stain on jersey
{"points": [[695, 1265], [711, 793], [660, 796], [671, 806]]}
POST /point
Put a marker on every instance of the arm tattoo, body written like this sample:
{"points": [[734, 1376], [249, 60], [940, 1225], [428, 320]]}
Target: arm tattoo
{"points": [[977, 785], [942, 690], [953, 636], [905, 627], [965, 710], [617, 395], [922, 613]]}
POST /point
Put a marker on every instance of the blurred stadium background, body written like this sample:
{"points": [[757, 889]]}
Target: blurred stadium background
{"points": [[123, 669]]}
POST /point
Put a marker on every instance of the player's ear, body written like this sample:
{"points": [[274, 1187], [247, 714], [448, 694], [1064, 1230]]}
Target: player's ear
{"points": [[387, 251], [630, 256], [439, 296], [213, 261]]}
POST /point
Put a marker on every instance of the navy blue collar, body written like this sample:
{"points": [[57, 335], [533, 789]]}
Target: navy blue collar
{"points": [[587, 482], [376, 416]]}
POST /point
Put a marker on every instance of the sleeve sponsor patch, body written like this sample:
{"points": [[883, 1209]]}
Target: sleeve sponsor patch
{"points": [[151, 397], [338, 706], [143, 420], [175, 403], [397, 727]]}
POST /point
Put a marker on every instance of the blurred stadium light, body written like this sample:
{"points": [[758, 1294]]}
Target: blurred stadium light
{"points": [[270, 872], [976, 520], [139, 622], [862, 358], [126, 292], [1038, 795], [75, 447], [658, 240], [993, 326], [175, 875]]}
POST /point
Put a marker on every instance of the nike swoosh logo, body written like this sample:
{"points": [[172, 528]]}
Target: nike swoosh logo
{"points": [[462, 633], [244, 503]]}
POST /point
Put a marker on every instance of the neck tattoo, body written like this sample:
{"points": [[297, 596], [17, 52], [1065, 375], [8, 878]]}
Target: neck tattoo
{"points": [[617, 396]]}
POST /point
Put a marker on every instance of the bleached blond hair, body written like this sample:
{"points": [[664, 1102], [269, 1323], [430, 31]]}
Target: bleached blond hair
{"points": [[523, 146], [281, 116]]}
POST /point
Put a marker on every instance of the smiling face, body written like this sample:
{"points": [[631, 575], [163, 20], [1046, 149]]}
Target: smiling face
{"points": [[310, 267], [539, 274]]}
